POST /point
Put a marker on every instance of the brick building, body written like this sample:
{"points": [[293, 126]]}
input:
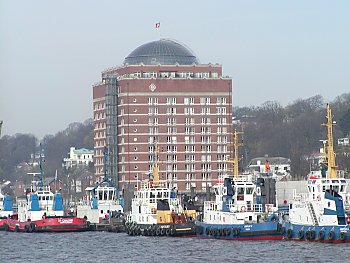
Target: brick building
{"points": [[162, 94]]}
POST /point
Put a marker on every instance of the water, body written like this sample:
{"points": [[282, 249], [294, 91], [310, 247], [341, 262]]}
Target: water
{"points": [[119, 247]]}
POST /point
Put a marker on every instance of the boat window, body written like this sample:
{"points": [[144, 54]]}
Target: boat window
{"points": [[159, 195], [336, 188], [324, 188], [110, 195], [249, 190], [105, 195], [51, 197], [323, 181], [240, 191], [342, 188], [335, 181], [99, 195], [343, 181]]}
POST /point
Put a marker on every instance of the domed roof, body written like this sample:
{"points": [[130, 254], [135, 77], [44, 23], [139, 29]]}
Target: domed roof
{"points": [[164, 52]]}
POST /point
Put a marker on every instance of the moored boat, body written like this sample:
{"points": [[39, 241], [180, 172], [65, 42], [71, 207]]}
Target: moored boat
{"points": [[319, 215], [42, 211], [5, 210], [157, 211], [102, 207], [244, 208]]}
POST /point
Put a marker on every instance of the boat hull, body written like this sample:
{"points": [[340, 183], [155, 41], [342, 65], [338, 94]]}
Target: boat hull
{"points": [[325, 234], [255, 231], [176, 230], [3, 224], [54, 224]]}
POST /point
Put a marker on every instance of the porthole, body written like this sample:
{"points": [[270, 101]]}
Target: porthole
{"points": [[135, 130], [135, 149], [135, 120], [134, 100], [135, 139]]}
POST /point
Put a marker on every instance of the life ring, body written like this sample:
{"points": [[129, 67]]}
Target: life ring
{"points": [[215, 232], [162, 231], [312, 235], [243, 208], [235, 231], [157, 231], [289, 233], [330, 235], [220, 231], [320, 235], [348, 220], [16, 229], [279, 227], [199, 230], [342, 236], [301, 234], [223, 232], [307, 235], [207, 231], [32, 227], [167, 232], [172, 230]]}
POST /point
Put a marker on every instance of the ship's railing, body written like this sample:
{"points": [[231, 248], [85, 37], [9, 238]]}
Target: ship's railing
{"points": [[149, 184], [300, 196], [210, 205], [258, 208]]}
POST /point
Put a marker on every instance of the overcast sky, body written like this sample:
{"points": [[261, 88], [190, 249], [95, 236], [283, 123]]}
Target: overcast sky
{"points": [[51, 52]]}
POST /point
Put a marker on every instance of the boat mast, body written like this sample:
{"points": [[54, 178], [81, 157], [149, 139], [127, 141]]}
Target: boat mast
{"points": [[41, 169], [105, 152], [235, 160], [332, 169], [155, 166]]}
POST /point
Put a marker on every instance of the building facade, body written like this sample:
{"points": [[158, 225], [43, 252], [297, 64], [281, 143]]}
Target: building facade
{"points": [[163, 95], [78, 157]]}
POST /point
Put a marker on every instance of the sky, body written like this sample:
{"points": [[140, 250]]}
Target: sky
{"points": [[52, 52]]}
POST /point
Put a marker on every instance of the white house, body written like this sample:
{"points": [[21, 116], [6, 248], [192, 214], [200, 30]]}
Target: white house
{"points": [[343, 141], [78, 157]]}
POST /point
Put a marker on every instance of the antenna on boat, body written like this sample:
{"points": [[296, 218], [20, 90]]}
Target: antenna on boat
{"points": [[105, 152], [332, 168], [155, 165], [41, 168], [235, 160]]}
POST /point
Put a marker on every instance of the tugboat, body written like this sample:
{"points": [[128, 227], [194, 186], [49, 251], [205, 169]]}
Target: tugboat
{"points": [[42, 211], [157, 211], [102, 206], [319, 215], [243, 209], [5, 210]]}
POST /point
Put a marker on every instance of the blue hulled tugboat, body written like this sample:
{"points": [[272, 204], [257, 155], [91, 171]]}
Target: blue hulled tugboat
{"points": [[244, 208], [319, 215]]}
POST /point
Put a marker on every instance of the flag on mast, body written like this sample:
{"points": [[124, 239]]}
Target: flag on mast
{"points": [[158, 25]]}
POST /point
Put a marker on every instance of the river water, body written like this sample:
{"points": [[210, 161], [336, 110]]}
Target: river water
{"points": [[118, 247]]}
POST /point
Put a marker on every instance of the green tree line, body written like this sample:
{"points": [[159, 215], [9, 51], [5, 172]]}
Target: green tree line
{"points": [[293, 131], [18, 149]]}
